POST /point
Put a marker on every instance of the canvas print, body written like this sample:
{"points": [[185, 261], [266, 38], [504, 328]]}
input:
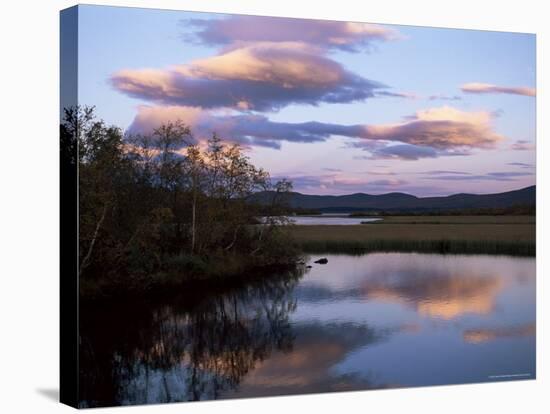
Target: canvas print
{"points": [[262, 206]]}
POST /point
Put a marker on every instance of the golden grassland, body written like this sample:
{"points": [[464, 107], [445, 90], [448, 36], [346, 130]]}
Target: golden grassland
{"points": [[443, 234]]}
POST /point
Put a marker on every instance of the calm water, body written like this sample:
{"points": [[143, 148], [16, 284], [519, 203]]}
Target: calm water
{"points": [[330, 219], [359, 322]]}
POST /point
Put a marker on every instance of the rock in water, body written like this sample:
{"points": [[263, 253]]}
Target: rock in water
{"points": [[324, 260]]}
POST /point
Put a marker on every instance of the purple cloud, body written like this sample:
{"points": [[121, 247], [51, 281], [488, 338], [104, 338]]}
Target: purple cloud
{"points": [[347, 36], [522, 145], [445, 172], [342, 183], [432, 133], [521, 165], [255, 77], [389, 94], [442, 97], [441, 128], [404, 152], [492, 176], [245, 129], [508, 174], [381, 172], [346, 184]]}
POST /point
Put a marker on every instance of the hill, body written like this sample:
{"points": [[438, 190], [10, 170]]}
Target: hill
{"points": [[403, 202]]}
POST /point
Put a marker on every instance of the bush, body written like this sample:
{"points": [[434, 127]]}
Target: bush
{"points": [[185, 263]]}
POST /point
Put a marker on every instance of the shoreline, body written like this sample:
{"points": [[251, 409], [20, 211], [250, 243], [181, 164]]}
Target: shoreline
{"points": [[486, 235], [164, 284], [442, 246]]}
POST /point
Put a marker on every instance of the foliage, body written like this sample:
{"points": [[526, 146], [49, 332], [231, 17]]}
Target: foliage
{"points": [[164, 201]]}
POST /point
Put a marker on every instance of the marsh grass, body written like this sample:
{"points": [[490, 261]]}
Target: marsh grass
{"points": [[479, 235]]}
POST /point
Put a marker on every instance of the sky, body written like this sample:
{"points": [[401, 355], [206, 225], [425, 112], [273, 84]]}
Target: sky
{"points": [[336, 107]]}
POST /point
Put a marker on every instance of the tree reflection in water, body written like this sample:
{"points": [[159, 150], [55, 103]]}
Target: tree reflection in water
{"points": [[194, 348]]}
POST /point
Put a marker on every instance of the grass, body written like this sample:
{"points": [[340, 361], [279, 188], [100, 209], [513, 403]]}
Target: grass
{"points": [[513, 235], [508, 220]]}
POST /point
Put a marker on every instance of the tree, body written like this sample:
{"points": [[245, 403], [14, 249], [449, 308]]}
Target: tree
{"points": [[100, 156], [275, 215], [232, 179], [195, 169], [147, 199]]}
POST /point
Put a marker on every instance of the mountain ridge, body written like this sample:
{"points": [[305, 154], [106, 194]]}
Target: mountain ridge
{"points": [[402, 201]]}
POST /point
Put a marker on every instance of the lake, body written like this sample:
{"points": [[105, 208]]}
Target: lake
{"points": [[330, 220], [374, 321]]}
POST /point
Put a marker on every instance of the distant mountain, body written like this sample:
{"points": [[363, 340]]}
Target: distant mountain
{"points": [[404, 202]]}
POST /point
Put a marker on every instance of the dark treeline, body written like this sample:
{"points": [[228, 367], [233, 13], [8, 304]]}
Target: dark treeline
{"points": [[160, 208], [518, 210]]}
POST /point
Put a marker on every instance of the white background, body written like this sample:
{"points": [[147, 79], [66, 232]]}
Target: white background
{"points": [[29, 205]]}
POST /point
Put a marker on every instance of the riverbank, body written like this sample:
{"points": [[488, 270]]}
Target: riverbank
{"points": [[498, 235], [512, 235], [192, 273]]}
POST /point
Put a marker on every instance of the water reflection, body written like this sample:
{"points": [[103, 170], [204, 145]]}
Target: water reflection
{"points": [[437, 292], [449, 318], [328, 220], [433, 285], [477, 336], [358, 322], [188, 349], [317, 349]]}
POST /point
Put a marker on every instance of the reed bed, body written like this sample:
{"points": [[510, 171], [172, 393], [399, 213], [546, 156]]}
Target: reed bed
{"points": [[475, 235]]}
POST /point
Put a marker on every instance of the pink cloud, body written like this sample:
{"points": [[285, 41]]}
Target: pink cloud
{"points": [[442, 127], [479, 88], [260, 76], [246, 129], [427, 134]]}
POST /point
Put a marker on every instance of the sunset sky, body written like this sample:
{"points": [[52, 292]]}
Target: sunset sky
{"points": [[336, 107]]}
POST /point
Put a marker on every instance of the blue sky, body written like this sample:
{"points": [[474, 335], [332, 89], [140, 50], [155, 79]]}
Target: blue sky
{"points": [[461, 117]]}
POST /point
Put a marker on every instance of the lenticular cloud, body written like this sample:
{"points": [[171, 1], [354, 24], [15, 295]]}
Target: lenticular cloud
{"points": [[442, 128], [259, 77], [484, 88], [347, 36], [427, 134]]}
